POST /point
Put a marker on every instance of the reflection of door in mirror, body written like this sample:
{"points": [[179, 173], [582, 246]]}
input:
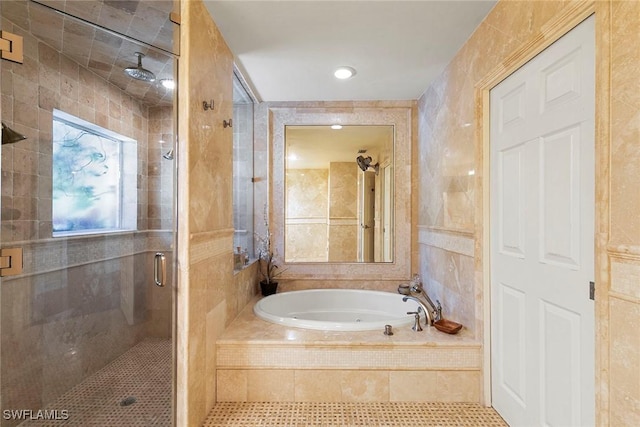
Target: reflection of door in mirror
{"points": [[366, 207], [387, 213], [329, 217]]}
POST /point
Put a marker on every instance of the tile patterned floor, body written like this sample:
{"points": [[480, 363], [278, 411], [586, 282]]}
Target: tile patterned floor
{"points": [[143, 372], [298, 414]]}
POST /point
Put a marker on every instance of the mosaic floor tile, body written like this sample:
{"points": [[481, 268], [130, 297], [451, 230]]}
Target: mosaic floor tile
{"points": [[143, 372], [343, 414]]}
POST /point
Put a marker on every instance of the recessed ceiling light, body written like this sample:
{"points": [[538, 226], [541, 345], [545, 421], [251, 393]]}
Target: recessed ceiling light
{"points": [[344, 73], [336, 127]]}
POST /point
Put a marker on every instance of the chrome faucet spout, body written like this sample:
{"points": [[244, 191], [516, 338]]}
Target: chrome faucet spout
{"points": [[428, 314]]}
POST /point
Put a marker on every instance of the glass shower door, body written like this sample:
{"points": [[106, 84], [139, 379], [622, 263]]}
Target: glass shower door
{"points": [[88, 195]]}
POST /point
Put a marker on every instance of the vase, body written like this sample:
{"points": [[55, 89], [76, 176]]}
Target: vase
{"points": [[268, 288]]}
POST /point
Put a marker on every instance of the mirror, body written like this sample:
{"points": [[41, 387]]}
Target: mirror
{"points": [[395, 115], [339, 193]]}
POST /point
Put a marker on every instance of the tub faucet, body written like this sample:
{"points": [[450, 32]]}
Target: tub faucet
{"points": [[416, 287], [428, 315]]}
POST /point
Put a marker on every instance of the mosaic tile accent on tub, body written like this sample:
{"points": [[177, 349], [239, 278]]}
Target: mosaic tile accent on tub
{"points": [[143, 372], [243, 414], [398, 356]]}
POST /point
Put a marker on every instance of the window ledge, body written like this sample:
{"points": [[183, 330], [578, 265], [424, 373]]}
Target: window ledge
{"points": [[244, 267]]}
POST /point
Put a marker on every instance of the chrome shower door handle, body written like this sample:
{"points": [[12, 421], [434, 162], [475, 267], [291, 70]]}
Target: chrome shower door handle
{"points": [[159, 269]]}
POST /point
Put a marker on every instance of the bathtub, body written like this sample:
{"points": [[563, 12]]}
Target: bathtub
{"points": [[336, 309]]}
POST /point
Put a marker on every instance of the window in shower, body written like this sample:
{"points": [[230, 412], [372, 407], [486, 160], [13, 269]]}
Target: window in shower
{"points": [[94, 178], [242, 172]]}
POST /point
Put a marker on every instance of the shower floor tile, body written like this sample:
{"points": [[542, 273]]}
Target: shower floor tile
{"points": [[143, 372], [396, 414]]}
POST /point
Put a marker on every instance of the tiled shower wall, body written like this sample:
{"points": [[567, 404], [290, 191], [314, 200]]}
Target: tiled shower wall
{"points": [[61, 324]]}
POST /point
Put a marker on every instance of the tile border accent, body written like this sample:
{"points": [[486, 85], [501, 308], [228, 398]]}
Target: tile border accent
{"points": [[625, 276], [210, 244], [396, 357], [461, 243], [624, 251], [59, 253]]}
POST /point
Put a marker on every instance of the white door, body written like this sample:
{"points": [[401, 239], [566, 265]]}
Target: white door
{"points": [[542, 237], [366, 216]]}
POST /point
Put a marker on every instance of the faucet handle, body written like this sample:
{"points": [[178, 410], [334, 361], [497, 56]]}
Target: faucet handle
{"points": [[416, 325], [416, 284]]}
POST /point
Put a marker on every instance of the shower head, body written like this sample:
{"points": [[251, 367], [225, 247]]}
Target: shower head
{"points": [[364, 163], [9, 136], [168, 155], [140, 73]]}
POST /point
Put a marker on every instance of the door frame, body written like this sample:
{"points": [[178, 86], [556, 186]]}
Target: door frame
{"points": [[553, 30]]}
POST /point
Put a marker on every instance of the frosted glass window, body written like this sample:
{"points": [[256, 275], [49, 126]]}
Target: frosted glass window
{"points": [[94, 178]]}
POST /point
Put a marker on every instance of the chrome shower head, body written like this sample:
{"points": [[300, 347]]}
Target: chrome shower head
{"points": [[168, 155], [140, 73], [9, 136], [364, 163]]}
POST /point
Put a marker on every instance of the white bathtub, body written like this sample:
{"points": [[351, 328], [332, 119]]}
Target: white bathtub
{"points": [[336, 309]]}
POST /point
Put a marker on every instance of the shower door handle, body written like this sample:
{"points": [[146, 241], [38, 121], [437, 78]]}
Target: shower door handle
{"points": [[159, 269]]}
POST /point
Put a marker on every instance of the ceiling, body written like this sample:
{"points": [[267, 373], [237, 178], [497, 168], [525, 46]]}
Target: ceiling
{"points": [[288, 50], [104, 52], [314, 147]]}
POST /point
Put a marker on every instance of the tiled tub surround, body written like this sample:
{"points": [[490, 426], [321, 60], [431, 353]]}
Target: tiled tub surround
{"points": [[261, 361], [447, 272]]}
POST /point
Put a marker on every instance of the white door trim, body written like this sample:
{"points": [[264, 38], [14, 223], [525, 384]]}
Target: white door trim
{"points": [[554, 30]]}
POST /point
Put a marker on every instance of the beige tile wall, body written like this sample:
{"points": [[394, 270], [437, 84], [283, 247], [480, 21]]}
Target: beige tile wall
{"points": [[306, 225], [623, 35], [343, 212], [209, 295], [448, 141]]}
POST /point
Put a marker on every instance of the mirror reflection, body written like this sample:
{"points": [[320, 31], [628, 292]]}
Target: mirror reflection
{"points": [[339, 194]]}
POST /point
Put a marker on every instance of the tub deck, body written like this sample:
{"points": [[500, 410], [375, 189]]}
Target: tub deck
{"points": [[261, 361]]}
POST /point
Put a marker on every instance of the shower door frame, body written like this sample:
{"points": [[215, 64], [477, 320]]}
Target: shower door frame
{"points": [[174, 168]]}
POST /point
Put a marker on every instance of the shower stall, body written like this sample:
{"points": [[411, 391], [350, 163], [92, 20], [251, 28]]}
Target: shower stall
{"points": [[88, 224]]}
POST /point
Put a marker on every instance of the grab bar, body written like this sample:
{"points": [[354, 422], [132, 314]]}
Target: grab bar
{"points": [[159, 269]]}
